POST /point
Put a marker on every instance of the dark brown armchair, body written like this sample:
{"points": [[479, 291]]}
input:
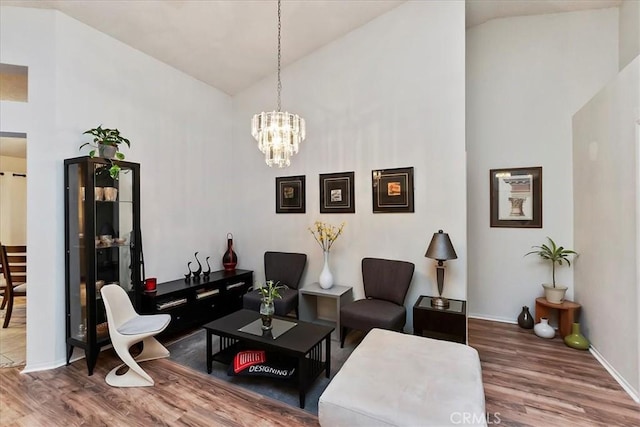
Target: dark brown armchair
{"points": [[286, 268], [13, 265], [386, 283]]}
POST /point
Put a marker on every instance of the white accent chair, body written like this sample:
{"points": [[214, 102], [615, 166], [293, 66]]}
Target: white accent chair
{"points": [[126, 328]]}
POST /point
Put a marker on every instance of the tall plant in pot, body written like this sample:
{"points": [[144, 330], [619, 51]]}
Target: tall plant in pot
{"points": [[556, 255], [106, 144]]}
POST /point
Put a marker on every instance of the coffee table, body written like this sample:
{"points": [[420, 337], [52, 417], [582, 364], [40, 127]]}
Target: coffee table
{"points": [[302, 342]]}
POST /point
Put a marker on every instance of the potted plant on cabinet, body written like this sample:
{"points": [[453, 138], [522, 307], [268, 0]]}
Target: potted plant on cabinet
{"points": [[107, 141], [555, 254], [269, 292]]}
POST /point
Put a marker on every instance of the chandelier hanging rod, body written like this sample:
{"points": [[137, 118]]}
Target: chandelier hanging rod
{"points": [[278, 133], [279, 57]]}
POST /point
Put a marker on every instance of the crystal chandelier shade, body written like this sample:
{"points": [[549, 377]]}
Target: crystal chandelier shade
{"points": [[278, 133]]}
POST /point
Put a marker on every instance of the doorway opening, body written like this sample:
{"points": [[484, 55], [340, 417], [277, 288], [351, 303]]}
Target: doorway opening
{"points": [[13, 209]]}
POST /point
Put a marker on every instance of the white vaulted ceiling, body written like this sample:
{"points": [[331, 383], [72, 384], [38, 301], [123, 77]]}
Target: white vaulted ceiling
{"points": [[232, 44]]}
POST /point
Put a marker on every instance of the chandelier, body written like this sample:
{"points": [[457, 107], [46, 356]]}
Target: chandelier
{"points": [[278, 133]]}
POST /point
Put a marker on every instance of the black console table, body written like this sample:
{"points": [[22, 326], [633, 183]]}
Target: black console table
{"points": [[196, 302]]}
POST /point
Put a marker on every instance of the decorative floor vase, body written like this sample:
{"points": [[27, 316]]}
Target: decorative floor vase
{"points": [[326, 278], [524, 319], [576, 339], [266, 314], [543, 329]]}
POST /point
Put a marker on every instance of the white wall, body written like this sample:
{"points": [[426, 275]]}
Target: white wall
{"points": [[389, 94], [629, 31], [26, 38], [526, 76], [605, 155], [180, 132]]}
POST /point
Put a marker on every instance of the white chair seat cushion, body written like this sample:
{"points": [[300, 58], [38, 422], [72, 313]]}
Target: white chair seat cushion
{"points": [[394, 379], [144, 324], [20, 288]]}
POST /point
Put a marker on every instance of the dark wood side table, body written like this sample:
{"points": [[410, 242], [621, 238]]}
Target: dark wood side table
{"points": [[441, 323]]}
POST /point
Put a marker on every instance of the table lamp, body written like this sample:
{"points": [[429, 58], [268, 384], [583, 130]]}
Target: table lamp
{"points": [[441, 250]]}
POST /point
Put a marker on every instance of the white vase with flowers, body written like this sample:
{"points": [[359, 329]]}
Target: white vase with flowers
{"points": [[326, 234]]}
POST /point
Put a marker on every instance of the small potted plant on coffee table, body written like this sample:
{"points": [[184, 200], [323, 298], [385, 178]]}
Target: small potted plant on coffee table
{"points": [[268, 292], [555, 254], [107, 141]]}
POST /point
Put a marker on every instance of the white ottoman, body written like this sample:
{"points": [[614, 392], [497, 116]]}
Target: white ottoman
{"points": [[394, 379]]}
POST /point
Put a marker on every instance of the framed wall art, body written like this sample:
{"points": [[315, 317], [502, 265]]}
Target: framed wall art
{"points": [[516, 197], [290, 194], [392, 190], [336, 193]]}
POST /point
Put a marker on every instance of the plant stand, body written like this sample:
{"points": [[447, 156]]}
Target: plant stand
{"points": [[567, 313]]}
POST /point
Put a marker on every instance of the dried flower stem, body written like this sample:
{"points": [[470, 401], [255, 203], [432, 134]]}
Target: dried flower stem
{"points": [[326, 234]]}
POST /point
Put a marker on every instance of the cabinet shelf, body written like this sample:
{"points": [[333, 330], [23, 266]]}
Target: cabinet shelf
{"points": [[113, 245], [114, 201], [124, 245]]}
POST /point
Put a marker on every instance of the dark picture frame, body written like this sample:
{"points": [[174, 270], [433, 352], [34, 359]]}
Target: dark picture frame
{"points": [[392, 190], [290, 194], [516, 197], [336, 193]]}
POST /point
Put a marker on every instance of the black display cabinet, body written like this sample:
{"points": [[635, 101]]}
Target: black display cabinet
{"points": [[102, 246]]}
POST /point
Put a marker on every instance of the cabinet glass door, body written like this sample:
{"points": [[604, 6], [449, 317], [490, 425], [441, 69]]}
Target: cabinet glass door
{"points": [[76, 269], [101, 228]]}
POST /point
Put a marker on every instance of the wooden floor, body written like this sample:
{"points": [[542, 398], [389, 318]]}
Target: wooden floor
{"points": [[528, 382], [181, 397], [13, 339], [531, 381]]}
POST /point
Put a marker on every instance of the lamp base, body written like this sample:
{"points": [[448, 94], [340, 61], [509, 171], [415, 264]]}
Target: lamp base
{"points": [[439, 302]]}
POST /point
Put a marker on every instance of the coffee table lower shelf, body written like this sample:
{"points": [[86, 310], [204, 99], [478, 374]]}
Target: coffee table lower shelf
{"points": [[313, 367], [294, 346]]}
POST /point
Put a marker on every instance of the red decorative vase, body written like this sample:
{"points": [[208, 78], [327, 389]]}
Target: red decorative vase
{"points": [[230, 258]]}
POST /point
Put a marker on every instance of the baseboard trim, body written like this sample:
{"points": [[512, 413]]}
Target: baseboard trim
{"points": [[491, 318], [616, 376], [43, 366], [78, 354]]}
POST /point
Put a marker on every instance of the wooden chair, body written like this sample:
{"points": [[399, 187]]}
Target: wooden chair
{"points": [[13, 264]]}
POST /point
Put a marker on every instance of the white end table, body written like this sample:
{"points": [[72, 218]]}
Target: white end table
{"points": [[308, 303]]}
